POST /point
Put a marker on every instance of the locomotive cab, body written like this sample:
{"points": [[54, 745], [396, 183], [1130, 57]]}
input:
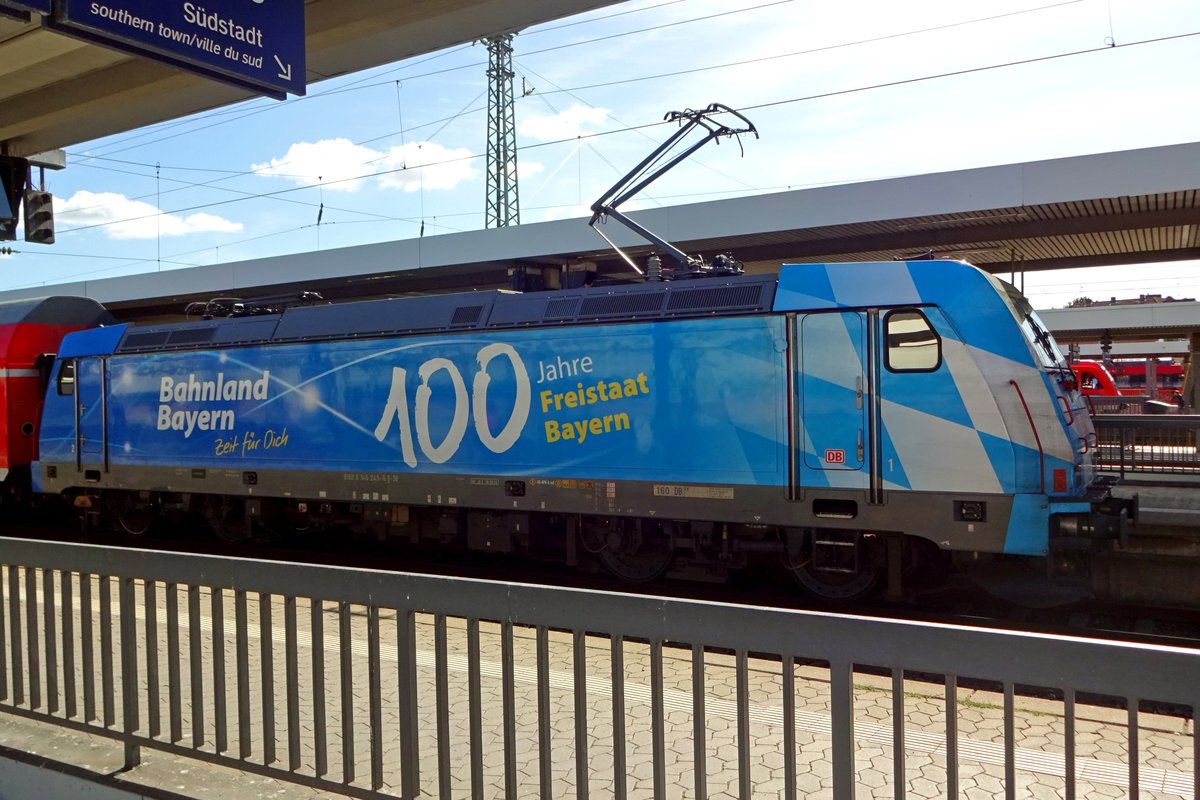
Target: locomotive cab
{"points": [[931, 402]]}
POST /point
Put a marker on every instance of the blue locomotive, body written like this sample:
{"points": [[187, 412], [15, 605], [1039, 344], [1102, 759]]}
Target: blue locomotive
{"points": [[852, 421]]}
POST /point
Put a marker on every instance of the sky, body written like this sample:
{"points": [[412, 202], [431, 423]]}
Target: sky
{"points": [[840, 92]]}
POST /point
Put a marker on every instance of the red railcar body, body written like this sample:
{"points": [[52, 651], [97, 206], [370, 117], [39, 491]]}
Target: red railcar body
{"points": [[30, 332]]}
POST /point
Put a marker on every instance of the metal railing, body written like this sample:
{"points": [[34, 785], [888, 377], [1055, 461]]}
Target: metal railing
{"points": [[1161, 445], [371, 684], [1137, 404]]}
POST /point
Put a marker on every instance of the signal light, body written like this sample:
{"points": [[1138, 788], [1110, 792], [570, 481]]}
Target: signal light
{"points": [[39, 217]]}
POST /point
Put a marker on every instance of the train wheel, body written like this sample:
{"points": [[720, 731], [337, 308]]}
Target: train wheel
{"points": [[133, 516], [227, 520], [835, 566], [635, 550], [844, 588]]}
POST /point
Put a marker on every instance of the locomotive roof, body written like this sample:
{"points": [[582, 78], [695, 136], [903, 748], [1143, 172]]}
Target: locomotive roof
{"points": [[489, 310], [985, 318]]}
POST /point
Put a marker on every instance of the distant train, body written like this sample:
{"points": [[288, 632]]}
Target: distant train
{"points": [[1125, 378], [1104, 383], [857, 423]]}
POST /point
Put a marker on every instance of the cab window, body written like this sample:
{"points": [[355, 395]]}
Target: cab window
{"points": [[66, 378], [912, 344]]}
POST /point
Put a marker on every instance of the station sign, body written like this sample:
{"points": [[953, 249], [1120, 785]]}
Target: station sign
{"points": [[253, 44]]}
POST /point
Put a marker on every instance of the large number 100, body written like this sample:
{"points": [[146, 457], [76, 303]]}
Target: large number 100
{"points": [[397, 406]]}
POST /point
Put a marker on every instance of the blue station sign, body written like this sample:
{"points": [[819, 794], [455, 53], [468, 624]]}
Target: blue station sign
{"points": [[255, 44]]}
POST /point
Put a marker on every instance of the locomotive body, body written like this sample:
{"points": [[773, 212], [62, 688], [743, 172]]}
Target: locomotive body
{"points": [[842, 417]]}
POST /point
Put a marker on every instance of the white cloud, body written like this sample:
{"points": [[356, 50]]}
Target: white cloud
{"points": [[123, 218], [424, 165], [336, 164], [564, 125], [527, 169], [342, 166]]}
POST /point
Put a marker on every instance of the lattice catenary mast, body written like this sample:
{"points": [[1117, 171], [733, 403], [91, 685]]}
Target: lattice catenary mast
{"points": [[503, 206]]}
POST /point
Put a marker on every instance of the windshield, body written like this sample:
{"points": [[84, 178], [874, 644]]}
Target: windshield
{"points": [[1039, 338]]}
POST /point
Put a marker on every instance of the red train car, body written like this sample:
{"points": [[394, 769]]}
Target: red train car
{"points": [[30, 332]]}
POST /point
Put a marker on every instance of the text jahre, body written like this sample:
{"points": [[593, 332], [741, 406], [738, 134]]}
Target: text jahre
{"points": [[563, 368]]}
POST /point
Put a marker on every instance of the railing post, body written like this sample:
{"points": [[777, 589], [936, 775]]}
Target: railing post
{"points": [[410, 745], [129, 674], [1121, 451], [841, 689]]}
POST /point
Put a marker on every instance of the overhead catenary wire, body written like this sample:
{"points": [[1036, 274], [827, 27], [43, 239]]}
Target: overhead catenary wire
{"points": [[468, 110], [372, 81], [749, 108]]}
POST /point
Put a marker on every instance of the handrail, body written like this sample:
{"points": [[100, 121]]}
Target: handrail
{"points": [[1171, 421], [398, 695], [1158, 444], [1066, 403], [1036, 438]]}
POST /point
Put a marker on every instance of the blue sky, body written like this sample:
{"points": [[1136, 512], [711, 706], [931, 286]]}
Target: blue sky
{"points": [[840, 92]]}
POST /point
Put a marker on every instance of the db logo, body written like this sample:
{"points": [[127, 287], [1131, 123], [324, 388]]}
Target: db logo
{"points": [[835, 456]]}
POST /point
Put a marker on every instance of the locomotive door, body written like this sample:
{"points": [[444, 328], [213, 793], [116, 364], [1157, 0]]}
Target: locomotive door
{"points": [[833, 401], [90, 429]]}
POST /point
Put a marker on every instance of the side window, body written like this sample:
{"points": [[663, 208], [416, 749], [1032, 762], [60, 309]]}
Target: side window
{"points": [[912, 344], [66, 378]]}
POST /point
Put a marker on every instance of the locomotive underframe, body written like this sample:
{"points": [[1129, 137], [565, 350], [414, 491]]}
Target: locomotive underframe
{"points": [[837, 543]]}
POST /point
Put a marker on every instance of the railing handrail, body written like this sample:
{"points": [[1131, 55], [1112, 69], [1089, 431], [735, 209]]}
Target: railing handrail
{"points": [[931, 647], [1135, 673], [1170, 421]]}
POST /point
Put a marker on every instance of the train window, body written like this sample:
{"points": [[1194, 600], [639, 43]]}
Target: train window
{"points": [[66, 378], [912, 345]]}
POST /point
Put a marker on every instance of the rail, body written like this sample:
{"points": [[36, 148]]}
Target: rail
{"points": [[371, 684], [1152, 445]]}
